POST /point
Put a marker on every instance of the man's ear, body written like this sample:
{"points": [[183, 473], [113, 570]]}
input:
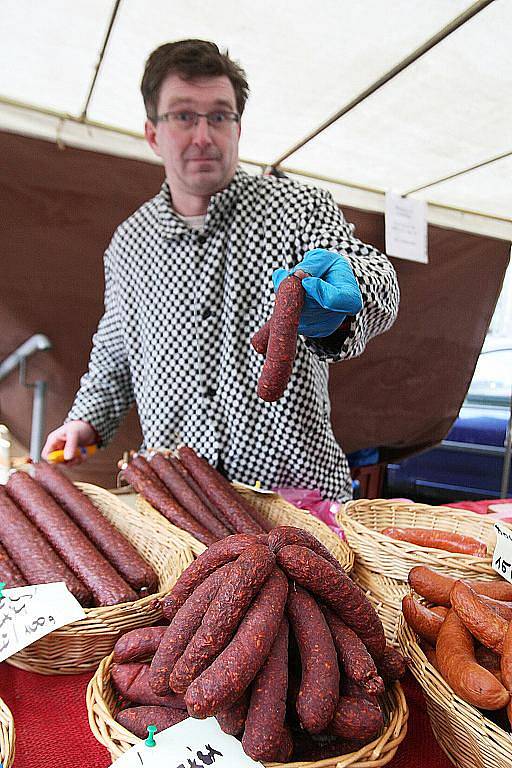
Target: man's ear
{"points": [[151, 137]]}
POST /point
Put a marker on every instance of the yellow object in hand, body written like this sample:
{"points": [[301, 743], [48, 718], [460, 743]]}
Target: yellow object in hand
{"points": [[57, 457]]}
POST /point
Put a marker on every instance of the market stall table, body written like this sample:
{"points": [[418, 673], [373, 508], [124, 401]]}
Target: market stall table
{"points": [[52, 726]]}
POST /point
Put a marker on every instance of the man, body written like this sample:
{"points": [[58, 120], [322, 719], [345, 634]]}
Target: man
{"points": [[190, 277]]}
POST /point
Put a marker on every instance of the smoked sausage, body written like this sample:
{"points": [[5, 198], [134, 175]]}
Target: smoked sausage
{"points": [[285, 535], [357, 718], [178, 466], [506, 667], [392, 665], [138, 644], [137, 719], [421, 619], [10, 574], [485, 624], [450, 542], [436, 587], [232, 720], [142, 464], [132, 681], [356, 662]]}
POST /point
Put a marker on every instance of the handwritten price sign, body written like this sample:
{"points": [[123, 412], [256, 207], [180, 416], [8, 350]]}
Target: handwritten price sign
{"points": [[189, 744], [29, 613], [502, 557]]}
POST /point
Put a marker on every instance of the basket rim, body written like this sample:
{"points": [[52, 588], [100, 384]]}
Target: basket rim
{"points": [[7, 735], [377, 753]]}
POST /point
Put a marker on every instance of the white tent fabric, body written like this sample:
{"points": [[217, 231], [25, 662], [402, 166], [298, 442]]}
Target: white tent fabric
{"points": [[436, 127]]}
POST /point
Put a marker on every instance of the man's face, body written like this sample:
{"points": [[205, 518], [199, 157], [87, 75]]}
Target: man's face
{"points": [[199, 160]]}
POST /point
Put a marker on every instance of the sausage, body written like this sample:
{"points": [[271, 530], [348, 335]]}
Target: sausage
{"points": [[450, 542], [137, 719], [259, 340], [182, 629], [489, 660], [106, 538], [162, 501], [223, 615], [232, 720], [353, 656], [421, 619], [236, 667], [285, 535], [430, 653], [392, 665], [138, 644], [220, 492], [338, 591], [37, 561], [184, 495], [320, 683], [263, 736], [282, 340], [506, 667], [436, 587], [285, 749], [79, 554], [216, 555], [132, 682], [142, 464], [357, 718], [456, 661], [10, 574], [486, 625], [178, 466]]}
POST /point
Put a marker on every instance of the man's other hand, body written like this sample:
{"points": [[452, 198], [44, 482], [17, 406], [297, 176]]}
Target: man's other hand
{"points": [[69, 437]]}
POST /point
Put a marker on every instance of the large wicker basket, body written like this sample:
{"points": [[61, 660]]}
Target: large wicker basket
{"points": [[80, 646], [469, 738], [7, 736], [279, 512], [102, 706]]}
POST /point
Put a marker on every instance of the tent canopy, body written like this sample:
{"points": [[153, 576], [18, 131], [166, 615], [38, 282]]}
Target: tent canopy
{"points": [[421, 91]]}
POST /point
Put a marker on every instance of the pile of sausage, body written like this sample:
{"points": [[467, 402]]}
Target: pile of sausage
{"points": [[51, 531], [194, 496], [268, 634], [466, 634]]}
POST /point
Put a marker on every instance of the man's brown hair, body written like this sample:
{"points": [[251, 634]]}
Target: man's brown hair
{"points": [[190, 59]]}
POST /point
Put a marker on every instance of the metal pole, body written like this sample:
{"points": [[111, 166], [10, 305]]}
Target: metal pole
{"points": [[38, 420], [508, 456]]}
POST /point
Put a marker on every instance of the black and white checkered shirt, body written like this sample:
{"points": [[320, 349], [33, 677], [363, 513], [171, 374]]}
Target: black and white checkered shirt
{"points": [[180, 308]]}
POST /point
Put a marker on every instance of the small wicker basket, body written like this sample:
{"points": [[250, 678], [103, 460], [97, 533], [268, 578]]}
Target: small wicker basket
{"points": [[279, 512], [80, 646], [469, 738], [102, 706], [7, 736]]}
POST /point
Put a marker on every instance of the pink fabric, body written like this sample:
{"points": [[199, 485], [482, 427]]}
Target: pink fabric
{"points": [[482, 508], [312, 501]]}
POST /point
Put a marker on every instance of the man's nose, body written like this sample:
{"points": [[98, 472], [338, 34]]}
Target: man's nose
{"points": [[202, 131]]}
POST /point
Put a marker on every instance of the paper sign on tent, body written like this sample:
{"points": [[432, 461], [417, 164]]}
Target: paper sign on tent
{"points": [[406, 228]]}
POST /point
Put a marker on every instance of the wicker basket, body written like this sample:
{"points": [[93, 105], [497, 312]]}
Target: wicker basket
{"points": [[385, 594], [469, 739], [80, 646], [279, 512], [102, 706], [7, 736]]}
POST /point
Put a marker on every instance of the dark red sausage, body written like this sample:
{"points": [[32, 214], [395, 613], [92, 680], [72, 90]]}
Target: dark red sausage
{"points": [[357, 718], [39, 564], [143, 465], [162, 501], [357, 663], [132, 681], [282, 341], [223, 615], [184, 495], [232, 720], [263, 735], [107, 587], [392, 665], [320, 684], [106, 538], [138, 644], [182, 629], [284, 535], [338, 591], [216, 555], [219, 686], [220, 492], [178, 466], [259, 340], [137, 719], [10, 574]]}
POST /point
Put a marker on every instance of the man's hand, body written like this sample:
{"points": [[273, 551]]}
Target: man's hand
{"points": [[332, 292], [69, 437]]}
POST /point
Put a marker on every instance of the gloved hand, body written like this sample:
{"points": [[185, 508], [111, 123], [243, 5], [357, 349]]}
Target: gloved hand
{"points": [[332, 292]]}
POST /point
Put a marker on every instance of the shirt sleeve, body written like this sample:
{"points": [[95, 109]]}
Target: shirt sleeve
{"points": [[376, 277], [106, 391]]}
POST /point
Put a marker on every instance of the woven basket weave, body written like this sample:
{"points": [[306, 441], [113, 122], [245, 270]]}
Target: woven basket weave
{"points": [[469, 739], [279, 512], [385, 595], [80, 646], [102, 706], [7, 736]]}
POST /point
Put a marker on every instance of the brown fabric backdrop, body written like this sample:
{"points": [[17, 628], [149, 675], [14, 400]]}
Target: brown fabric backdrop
{"points": [[58, 210]]}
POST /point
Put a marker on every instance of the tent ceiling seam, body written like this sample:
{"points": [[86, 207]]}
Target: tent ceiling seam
{"points": [[100, 59], [441, 35], [458, 173]]}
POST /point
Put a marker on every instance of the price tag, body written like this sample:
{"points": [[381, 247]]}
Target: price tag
{"points": [[189, 744], [406, 228], [29, 613], [502, 557]]}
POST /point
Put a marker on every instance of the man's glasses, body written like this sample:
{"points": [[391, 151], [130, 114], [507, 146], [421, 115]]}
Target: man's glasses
{"points": [[186, 119]]}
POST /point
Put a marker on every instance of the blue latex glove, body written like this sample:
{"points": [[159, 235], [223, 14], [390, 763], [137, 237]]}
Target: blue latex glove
{"points": [[332, 292]]}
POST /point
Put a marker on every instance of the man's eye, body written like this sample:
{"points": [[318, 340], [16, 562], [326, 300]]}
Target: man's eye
{"points": [[184, 117], [217, 117]]}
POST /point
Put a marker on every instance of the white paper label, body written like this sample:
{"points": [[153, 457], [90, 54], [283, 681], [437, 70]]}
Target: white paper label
{"points": [[189, 744], [29, 613], [502, 557], [406, 228]]}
